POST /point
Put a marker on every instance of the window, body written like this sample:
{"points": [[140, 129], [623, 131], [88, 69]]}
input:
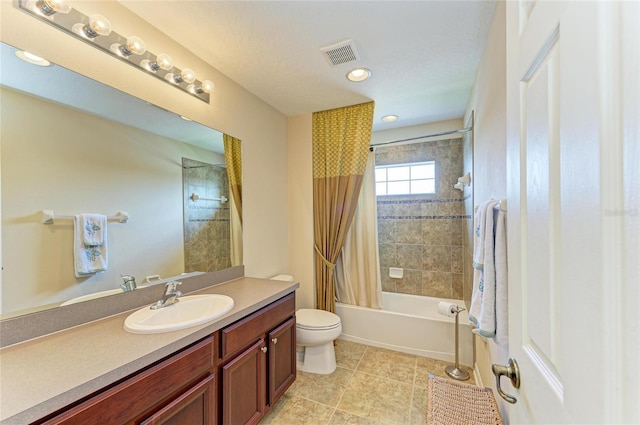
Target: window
{"points": [[406, 179]]}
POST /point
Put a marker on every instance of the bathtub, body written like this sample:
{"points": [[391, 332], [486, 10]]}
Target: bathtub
{"points": [[410, 324]]}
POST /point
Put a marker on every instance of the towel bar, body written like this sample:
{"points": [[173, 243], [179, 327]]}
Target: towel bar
{"points": [[47, 217]]}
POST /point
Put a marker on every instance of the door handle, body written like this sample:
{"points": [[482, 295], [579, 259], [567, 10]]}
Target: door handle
{"points": [[263, 349], [512, 372], [274, 340]]}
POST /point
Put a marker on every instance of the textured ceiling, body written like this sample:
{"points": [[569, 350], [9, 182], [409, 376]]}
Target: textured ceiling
{"points": [[423, 54]]}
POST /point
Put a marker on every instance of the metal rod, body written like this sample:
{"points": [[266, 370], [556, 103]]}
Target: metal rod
{"points": [[195, 197], [454, 371], [457, 342], [444, 133], [47, 217]]}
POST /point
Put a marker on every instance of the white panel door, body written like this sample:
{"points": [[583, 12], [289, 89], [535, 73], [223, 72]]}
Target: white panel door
{"points": [[567, 175]]}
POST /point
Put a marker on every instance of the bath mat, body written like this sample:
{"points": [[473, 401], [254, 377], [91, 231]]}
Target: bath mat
{"points": [[451, 402]]}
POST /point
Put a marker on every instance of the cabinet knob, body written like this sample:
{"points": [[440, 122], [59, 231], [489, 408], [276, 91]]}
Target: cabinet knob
{"points": [[264, 349], [274, 340]]}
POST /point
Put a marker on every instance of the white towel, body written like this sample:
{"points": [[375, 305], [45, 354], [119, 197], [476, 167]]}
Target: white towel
{"points": [[482, 309], [502, 311], [93, 228], [88, 259]]}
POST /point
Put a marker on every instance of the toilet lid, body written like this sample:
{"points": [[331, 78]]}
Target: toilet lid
{"points": [[308, 318]]}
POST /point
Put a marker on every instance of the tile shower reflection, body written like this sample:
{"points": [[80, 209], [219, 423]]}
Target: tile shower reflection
{"points": [[206, 216]]}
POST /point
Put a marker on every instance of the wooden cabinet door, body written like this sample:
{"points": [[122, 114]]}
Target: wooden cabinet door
{"points": [[282, 359], [194, 407], [244, 386]]}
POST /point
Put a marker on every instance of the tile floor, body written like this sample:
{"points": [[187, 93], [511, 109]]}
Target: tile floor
{"points": [[371, 386]]}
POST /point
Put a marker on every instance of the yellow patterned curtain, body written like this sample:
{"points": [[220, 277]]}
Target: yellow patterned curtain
{"points": [[341, 139], [233, 159]]}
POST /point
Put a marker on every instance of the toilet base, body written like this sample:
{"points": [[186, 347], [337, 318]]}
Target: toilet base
{"points": [[320, 359]]}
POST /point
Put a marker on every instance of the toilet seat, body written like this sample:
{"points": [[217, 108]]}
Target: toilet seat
{"points": [[314, 319]]}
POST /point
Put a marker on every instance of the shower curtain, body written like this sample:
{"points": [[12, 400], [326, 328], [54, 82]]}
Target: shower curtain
{"points": [[233, 159], [341, 139], [357, 271]]}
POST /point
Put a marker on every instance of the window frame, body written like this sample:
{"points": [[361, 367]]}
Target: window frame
{"points": [[408, 165]]}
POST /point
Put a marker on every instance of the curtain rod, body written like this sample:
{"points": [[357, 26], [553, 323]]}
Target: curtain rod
{"points": [[444, 133]]}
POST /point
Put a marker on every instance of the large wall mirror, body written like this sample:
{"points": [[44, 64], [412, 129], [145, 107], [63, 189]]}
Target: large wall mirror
{"points": [[71, 145]]}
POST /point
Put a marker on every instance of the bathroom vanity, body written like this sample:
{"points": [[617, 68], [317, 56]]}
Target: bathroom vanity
{"points": [[228, 371]]}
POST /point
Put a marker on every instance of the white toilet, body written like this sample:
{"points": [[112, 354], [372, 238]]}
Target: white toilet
{"points": [[315, 332]]}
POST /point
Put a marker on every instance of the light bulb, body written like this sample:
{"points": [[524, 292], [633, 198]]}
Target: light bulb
{"points": [[98, 25], [208, 86], [31, 58], [50, 7], [358, 74], [188, 75], [163, 61], [133, 46]]}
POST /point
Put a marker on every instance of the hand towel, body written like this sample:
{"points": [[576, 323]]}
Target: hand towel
{"points": [[88, 259], [93, 228], [502, 313], [482, 310]]}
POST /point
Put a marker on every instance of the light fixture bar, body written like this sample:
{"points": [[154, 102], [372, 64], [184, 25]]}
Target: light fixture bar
{"points": [[115, 45]]}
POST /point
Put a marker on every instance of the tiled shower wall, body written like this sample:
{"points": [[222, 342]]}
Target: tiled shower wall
{"points": [[423, 234], [206, 223]]}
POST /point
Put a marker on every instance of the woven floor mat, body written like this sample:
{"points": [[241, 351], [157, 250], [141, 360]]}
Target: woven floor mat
{"points": [[454, 403]]}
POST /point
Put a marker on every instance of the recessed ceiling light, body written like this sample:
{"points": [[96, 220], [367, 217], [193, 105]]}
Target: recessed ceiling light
{"points": [[185, 118], [390, 118], [358, 74], [31, 58]]}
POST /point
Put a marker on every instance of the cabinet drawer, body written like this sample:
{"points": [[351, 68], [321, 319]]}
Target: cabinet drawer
{"points": [[146, 391], [239, 335]]}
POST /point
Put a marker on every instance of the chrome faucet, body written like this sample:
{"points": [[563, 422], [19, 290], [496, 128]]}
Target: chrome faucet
{"points": [[128, 284], [170, 295]]}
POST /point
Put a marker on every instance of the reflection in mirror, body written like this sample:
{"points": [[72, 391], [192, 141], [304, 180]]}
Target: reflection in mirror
{"points": [[73, 145]]}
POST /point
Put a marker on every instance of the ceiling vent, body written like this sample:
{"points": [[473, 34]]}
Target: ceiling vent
{"points": [[339, 53]]}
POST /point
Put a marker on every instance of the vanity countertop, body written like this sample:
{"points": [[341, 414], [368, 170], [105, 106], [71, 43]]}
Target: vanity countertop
{"points": [[42, 375]]}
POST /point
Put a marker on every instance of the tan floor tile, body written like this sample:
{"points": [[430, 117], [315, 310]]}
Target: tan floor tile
{"points": [[389, 364], [325, 389], [419, 407], [343, 418], [373, 397], [426, 366], [290, 410], [348, 353]]}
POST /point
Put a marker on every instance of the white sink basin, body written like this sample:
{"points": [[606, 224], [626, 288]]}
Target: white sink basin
{"points": [[191, 310]]}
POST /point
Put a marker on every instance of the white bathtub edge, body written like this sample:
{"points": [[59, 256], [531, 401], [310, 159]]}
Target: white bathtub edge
{"points": [[446, 357]]}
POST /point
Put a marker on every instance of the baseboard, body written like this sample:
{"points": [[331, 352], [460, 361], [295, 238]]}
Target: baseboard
{"points": [[477, 376]]}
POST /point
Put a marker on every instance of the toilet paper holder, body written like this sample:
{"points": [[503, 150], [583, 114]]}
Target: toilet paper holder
{"points": [[454, 370]]}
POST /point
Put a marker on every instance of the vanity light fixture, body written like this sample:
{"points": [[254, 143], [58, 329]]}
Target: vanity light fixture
{"points": [[32, 59], [389, 118], [358, 74], [96, 30]]}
